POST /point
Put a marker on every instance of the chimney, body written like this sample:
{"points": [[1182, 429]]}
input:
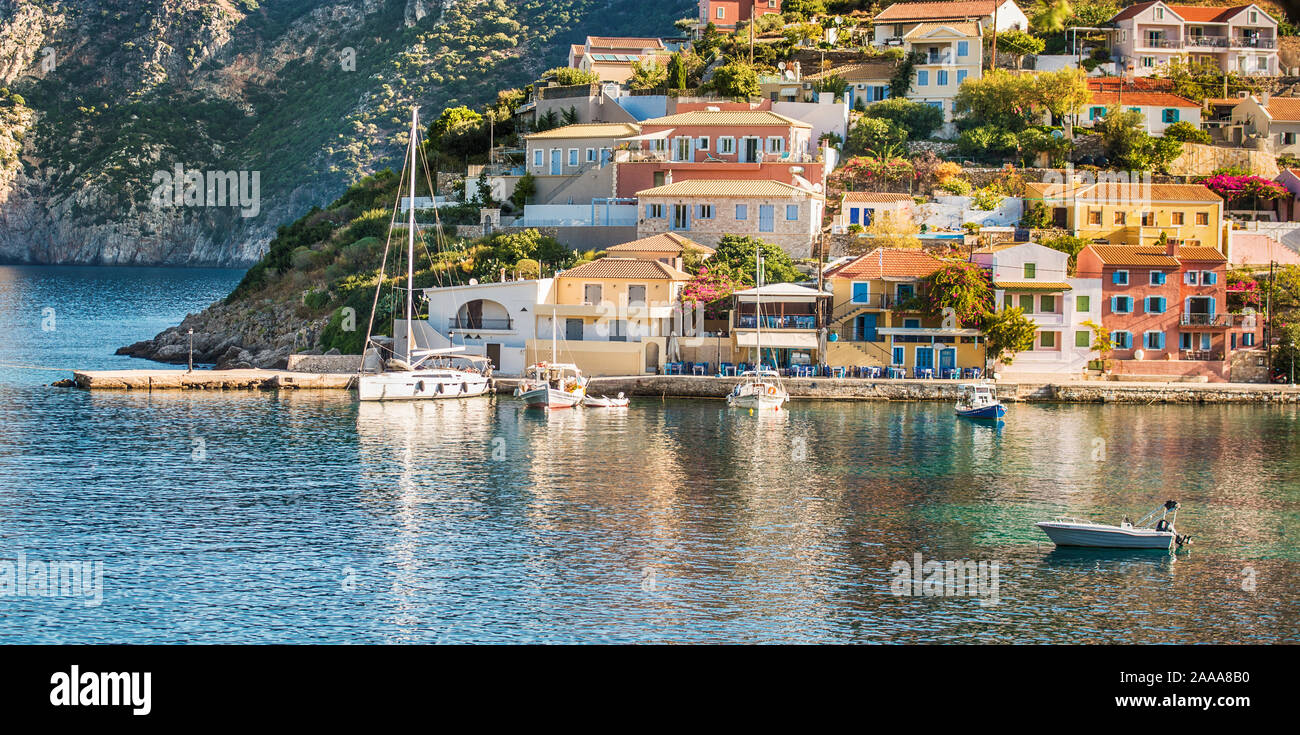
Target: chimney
{"points": [[1171, 247], [668, 177], [1264, 100]]}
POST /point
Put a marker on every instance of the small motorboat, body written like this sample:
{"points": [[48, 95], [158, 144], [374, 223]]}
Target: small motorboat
{"points": [[1151, 532], [604, 401], [552, 385], [979, 402]]}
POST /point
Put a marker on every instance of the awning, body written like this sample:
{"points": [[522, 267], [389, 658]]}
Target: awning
{"points": [[792, 340], [661, 135], [1035, 286]]}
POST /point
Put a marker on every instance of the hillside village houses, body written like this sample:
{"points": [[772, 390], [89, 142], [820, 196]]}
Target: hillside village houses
{"points": [[653, 176], [1242, 39]]}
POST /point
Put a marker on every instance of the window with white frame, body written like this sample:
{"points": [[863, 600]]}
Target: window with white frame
{"points": [[722, 13], [792, 212], [726, 145], [573, 156], [702, 144], [537, 158], [775, 144], [591, 155]]}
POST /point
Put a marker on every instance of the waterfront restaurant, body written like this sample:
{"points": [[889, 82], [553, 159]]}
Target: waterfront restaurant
{"points": [[790, 324]]}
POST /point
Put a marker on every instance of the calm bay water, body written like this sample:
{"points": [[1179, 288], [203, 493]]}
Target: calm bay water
{"points": [[304, 517]]}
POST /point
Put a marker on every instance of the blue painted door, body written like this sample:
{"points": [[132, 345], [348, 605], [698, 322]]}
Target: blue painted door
{"points": [[947, 358], [853, 215], [766, 217], [861, 293], [867, 328], [557, 164]]}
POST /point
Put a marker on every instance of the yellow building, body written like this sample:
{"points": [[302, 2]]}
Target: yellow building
{"points": [[1134, 213], [877, 317], [611, 316]]}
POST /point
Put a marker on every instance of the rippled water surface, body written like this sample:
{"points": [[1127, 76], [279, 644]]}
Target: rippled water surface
{"points": [[305, 517]]}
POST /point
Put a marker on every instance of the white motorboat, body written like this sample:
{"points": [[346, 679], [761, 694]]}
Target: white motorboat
{"points": [[419, 374], [441, 379], [1151, 532], [759, 388], [979, 402], [552, 385], [590, 401]]}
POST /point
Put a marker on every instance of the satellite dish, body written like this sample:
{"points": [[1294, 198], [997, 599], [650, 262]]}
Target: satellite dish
{"points": [[781, 66], [473, 281], [1056, 134], [1138, 354]]}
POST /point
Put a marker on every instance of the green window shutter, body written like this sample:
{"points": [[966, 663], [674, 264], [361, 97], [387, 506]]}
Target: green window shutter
{"points": [[1006, 301], [1082, 303], [1049, 339], [1047, 303], [1027, 303], [1031, 270], [1082, 339]]}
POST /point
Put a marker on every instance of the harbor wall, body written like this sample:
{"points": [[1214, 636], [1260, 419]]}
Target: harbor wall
{"points": [[686, 386]]}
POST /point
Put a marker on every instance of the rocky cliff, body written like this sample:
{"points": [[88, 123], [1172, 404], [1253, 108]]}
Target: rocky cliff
{"points": [[185, 131]]}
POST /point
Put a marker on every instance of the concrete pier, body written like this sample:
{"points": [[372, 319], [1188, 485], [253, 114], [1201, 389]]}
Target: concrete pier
{"points": [[695, 386], [149, 380]]}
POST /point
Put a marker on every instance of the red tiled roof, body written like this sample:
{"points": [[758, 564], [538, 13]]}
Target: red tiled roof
{"points": [[937, 11], [625, 268], [1114, 91], [1284, 108], [664, 242], [624, 42], [1190, 13], [888, 263]]}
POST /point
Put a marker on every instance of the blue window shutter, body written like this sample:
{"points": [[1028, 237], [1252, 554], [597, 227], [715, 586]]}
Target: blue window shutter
{"points": [[1212, 311], [1114, 304], [1146, 304], [963, 48], [1211, 278], [1160, 336], [647, 211], [1189, 278]]}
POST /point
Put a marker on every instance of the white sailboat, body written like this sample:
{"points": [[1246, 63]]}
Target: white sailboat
{"points": [[421, 374], [553, 384], [759, 389]]}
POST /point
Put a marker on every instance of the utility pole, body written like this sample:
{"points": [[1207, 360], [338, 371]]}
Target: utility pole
{"points": [[752, 18], [995, 38], [1268, 321]]}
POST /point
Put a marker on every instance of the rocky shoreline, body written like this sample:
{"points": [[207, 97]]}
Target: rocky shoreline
{"points": [[234, 336]]}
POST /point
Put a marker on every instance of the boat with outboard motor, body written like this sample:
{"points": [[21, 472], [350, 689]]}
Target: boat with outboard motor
{"points": [[1151, 532]]}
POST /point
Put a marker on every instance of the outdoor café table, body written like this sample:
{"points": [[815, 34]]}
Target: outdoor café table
{"points": [[728, 369], [698, 368], [897, 372], [840, 372], [873, 371]]}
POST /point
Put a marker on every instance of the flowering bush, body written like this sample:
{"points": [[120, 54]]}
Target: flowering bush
{"points": [[708, 286], [962, 287], [1242, 188]]}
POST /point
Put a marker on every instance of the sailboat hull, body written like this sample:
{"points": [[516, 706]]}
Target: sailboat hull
{"points": [[417, 386]]}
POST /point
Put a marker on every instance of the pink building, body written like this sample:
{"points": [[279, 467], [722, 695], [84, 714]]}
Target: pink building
{"points": [[713, 144], [726, 14]]}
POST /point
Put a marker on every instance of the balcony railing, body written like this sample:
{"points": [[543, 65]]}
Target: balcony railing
{"points": [[1249, 42], [873, 301], [1206, 320], [1162, 43], [789, 321], [458, 322]]}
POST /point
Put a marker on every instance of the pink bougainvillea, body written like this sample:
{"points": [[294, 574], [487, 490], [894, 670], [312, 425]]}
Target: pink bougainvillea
{"points": [[1244, 188]]}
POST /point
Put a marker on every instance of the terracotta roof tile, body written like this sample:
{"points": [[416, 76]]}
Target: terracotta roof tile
{"points": [[1284, 108], [664, 242], [888, 263], [1201, 253], [966, 29], [1119, 193], [1032, 286], [631, 268], [1116, 92], [1133, 256], [727, 188], [936, 11], [857, 72], [587, 130], [875, 196], [727, 117], [624, 42]]}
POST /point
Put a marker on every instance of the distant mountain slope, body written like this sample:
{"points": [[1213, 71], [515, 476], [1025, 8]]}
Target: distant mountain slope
{"points": [[99, 96]]}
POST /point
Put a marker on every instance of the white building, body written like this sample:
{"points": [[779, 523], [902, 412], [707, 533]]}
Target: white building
{"points": [[1275, 119], [1008, 15], [1035, 278], [1240, 39], [492, 319], [1159, 109]]}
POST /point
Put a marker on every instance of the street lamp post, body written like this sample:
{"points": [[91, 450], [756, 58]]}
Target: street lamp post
{"points": [[190, 333]]}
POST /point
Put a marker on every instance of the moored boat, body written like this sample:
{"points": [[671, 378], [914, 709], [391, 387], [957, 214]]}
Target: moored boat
{"points": [[618, 401], [552, 385], [979, 402], [1151, 532]]}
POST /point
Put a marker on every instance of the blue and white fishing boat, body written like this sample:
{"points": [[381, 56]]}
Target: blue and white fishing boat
{"points": [[979, 402], [1155, 531]]}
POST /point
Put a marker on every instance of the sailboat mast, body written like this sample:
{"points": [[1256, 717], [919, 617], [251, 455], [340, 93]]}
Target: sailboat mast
{"points": [[758, 309], [554, 358], [410, 246]]}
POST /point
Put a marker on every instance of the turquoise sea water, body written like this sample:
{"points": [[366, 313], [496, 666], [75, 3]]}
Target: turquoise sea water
{"points": [[304, 517]]}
